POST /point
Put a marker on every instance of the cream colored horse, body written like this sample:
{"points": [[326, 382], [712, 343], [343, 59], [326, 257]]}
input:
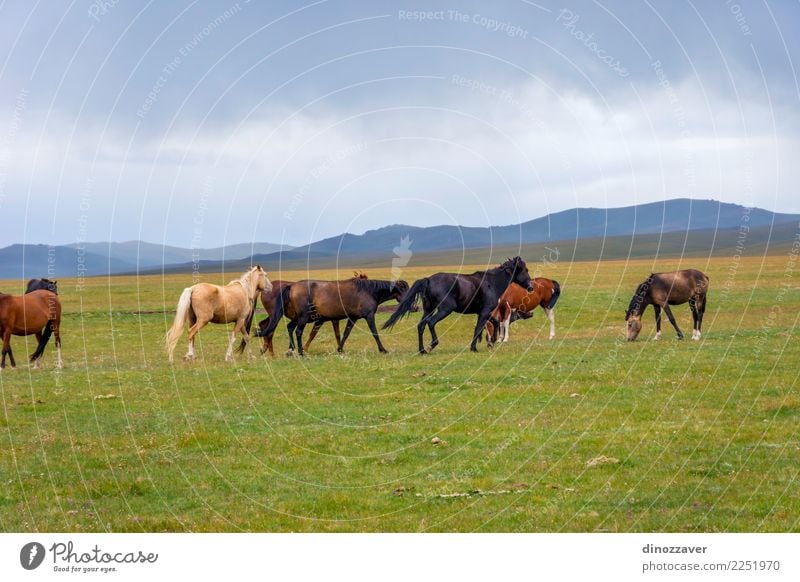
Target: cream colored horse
{"points": [[204, 303]]}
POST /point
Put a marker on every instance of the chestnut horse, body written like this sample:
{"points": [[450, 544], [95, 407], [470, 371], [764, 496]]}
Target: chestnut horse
{"points": [[269, 299], [320, 301], [204, 303], [35, 313], [665, 289], [517, 303]]}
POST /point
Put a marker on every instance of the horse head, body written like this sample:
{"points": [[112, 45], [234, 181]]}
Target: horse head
{"points": [[399, 289], [518, 270], [259, 280]]}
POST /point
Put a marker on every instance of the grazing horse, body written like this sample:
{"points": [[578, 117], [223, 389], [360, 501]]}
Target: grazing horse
{"points": [[516, 303], [270, 298], [444, 293], [665, 289], [204, 303], [35, 313], [45, 284], [321, 301]]}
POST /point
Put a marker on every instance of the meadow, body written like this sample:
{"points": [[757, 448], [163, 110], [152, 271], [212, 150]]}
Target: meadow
{"points": [[584, 433]]}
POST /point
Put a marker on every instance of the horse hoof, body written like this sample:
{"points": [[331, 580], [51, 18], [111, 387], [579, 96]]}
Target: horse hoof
{"points": [[188, 358]]}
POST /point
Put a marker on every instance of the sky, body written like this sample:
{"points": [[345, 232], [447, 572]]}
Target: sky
{"points": [[201, 124]]}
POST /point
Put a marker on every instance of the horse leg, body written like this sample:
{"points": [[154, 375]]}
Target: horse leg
{"points": [[440, 315], [193, 331], [423, 322], [299, 334], [371, 323], [6, 349], [504, 328], [290, 328], [551, 316], [671, 317], [701, 309], [657, 310], [239, 326], [313, 334], [482, 319], [38, 361], [347, 329], [57, 334], [693, 309], [335, 325]]}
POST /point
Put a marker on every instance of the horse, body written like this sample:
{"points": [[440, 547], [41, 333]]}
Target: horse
{"points": [[36, 313], [205, 303], [516, 303], [45, 284], [321, 301], [665, 289], [270, 298], [444, 293]]}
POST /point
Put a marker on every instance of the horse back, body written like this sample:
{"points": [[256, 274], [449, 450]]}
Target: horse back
{"points": [[29, 313]]}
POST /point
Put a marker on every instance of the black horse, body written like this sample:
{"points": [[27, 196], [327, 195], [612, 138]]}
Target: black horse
{"points": [[320, 301], [444, 293], [46, 284]]}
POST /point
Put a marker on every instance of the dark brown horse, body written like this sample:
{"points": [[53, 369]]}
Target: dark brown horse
{"points": [[518, 302], [36, 313], [270, 298], [320, 301], [444, 293], [664, 289]]}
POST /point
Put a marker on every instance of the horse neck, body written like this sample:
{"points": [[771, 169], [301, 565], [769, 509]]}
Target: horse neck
{"points": [[639, 303], [499, 279], [246, 281]]}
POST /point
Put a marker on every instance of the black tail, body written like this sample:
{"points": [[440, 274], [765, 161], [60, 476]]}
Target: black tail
{"points": [[556, 295], [277, 314], [48, 331], [408, 302]]}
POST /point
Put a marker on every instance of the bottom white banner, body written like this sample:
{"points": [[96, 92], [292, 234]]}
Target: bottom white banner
{"points": [[388, 557]]}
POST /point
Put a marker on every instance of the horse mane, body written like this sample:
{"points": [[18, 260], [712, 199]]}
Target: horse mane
{"points": [[638, 299], [373, 285]]}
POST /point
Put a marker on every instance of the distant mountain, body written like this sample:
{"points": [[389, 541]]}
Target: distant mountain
{"points": [[87, 259], [677, 226], [679, 215]]}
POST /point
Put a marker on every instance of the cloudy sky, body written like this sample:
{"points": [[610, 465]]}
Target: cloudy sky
{"points": [[210, 123]]}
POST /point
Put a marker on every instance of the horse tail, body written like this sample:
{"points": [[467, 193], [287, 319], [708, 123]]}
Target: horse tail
{"points": [[277, 313], [181, 316], [408, 302], [554, 297], [48, 331]]}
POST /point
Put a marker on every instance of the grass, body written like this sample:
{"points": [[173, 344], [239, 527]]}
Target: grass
{"points": [[686, 436]]}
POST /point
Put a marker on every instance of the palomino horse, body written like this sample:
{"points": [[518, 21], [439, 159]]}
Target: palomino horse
{"points": [[665, 289], [515, 301], [204, 303], [35, 313], [270, 298], [444, 293], [321, 301]]}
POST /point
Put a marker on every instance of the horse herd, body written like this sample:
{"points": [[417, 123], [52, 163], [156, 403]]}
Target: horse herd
{"points": [[497, 297]]}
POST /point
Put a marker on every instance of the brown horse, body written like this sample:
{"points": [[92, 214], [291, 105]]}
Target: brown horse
{"points": [[321, 301], [204, 303], [665, 289], [36, 313], [517, 303], [270, 297]]}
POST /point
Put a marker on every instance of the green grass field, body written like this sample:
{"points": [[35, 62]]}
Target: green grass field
{"points": [[684, 436]]}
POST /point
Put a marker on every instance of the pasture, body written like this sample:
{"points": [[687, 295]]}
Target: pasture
{"points": [[584, 433]]}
